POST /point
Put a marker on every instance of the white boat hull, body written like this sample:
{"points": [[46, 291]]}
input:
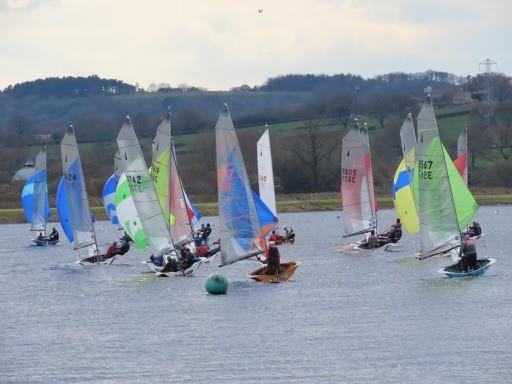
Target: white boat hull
{"points": [[187, 272]]}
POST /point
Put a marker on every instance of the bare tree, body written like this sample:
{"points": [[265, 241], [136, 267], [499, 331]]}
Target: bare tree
{"points": [[313, 148]]}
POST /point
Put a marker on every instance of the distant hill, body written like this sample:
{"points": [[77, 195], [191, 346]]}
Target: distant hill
{"points": [[69, 87]]}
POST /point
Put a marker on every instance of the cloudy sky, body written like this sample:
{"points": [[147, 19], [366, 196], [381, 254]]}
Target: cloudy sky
{"points": [[223, 43]]}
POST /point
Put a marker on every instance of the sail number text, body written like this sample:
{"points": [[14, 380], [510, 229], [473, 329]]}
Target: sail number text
{"points": [[135, 183], [348, 175], [424, 167]]}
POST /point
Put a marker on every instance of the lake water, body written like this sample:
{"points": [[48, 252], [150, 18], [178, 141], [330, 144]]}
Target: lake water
{"points": [[374, 317]]}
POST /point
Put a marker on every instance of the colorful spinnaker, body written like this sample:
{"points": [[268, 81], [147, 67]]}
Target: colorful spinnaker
{"points": [[445, 204], [109, 191], [403, 197], [127, 214], [34, 196], [358, 198], [72, 201], [240, 229]]}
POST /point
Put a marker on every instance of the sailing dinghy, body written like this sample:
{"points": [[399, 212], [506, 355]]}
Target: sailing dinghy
{"points": [[357, 192], [445, 204], [241, 235], [73, 204], [176, 206], [34, 200], [165, 261]]}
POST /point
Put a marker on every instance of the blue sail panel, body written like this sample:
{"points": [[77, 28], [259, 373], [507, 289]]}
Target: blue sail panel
{"points": [[27, 198], [109, 198], [63, 210], [267, 219], [235, 205], [34, 200]]}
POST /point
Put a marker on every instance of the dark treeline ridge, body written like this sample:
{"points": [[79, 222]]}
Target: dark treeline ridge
{"points": [[307, 116]]}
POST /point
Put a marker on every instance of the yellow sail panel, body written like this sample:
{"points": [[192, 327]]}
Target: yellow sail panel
{"points": [[403, 199], [159, 172]]}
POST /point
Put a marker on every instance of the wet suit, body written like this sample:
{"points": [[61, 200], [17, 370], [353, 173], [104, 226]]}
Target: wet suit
{"points": [[468, 260]]}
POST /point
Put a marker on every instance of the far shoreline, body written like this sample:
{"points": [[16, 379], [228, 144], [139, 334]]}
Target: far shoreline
{"points": [[15, 215]]}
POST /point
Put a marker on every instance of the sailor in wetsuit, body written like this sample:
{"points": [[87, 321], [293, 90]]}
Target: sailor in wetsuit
{"points": [[468, 259]]}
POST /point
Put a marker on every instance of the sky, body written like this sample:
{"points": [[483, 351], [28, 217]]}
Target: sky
{"points": [[225, 43]]}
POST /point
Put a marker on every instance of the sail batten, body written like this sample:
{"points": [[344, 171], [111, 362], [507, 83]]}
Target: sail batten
{"points": [[240, 229]]}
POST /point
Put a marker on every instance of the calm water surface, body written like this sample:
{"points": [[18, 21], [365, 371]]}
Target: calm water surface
{"points": [[374, 317]]}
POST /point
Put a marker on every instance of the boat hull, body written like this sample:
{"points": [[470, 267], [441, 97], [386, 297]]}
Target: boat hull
{"points": [[286, 271], [44, 242], [483, 265], [187, 272], [96, 259]]}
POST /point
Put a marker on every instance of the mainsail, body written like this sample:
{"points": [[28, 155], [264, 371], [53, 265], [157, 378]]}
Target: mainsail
{"points": [[240, 230], [109, 191], [72, 201], [445, 205], [168, 185], [266, 201], [461, 162], [357, 183], [266, 172], [143, 191], [34, 196], [403, 197]]}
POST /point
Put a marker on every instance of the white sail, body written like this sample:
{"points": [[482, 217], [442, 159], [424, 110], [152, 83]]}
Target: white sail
{"points": [[408, 139], [76, 194], [143, 191], [266, 172], [357, 183]]}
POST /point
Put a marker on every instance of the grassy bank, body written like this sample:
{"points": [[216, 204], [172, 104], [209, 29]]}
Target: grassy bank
{"points": [[288, 203]]}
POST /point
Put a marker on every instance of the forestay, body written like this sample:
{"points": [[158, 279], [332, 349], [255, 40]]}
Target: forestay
{"points": [[240, 230], [143, 191], [357, 183], [34, 196], [75, 205], [445, 205]]}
